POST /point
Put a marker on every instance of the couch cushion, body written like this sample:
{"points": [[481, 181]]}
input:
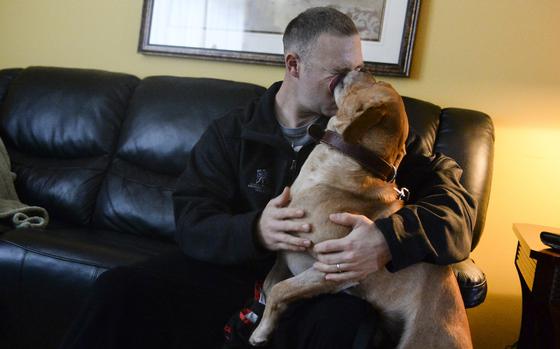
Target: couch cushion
{"points": [[99, 248], [61, 127], [166, 118], [47, 273]]}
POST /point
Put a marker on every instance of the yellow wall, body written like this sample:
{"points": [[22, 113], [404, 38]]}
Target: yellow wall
{"points": [[500, 57]]}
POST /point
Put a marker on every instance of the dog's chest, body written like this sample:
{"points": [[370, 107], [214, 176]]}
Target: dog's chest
{"points": [[328, 167]]}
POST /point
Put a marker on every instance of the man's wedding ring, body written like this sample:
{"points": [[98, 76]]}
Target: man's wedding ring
{"points": [[338, 268]]}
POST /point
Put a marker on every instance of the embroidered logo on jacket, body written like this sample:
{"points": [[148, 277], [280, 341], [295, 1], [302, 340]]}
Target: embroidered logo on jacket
{"points": [[261, 181]]}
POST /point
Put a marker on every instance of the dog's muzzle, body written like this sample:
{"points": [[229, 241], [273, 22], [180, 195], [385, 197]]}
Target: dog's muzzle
{"points": [[335, 81]]}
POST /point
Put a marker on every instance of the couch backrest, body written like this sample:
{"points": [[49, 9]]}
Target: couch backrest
{"points": [[6, 77], [103, 148], [60, 127], [166, 117], [465, 135]]}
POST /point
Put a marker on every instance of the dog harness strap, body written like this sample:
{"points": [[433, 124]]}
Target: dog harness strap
{"points": [[368, 159]]}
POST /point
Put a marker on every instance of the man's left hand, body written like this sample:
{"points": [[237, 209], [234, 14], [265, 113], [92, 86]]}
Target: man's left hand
{"points": [[355, 256]]}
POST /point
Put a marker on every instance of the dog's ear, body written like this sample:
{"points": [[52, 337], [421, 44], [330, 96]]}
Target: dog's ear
{"points": [[400, 155], [366, 115]]}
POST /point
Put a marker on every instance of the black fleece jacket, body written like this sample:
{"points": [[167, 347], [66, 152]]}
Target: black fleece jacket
{"points": [[242, 161]]}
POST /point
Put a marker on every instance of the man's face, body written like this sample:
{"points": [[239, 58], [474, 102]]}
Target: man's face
{"points": [[330, 57]]}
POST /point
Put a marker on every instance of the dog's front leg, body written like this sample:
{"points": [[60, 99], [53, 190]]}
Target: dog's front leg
{"points": [[305, 285], [277, 273]]}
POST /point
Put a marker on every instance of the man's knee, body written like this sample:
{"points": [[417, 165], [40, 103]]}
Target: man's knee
{"points": [[113, 281], [326, 321], [337, 314]]}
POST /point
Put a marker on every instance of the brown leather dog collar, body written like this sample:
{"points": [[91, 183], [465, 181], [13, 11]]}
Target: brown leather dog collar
{"points": [[368, 159]]}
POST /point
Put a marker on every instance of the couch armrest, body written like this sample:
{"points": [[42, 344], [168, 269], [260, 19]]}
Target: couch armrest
{"points": [[472, 282]]}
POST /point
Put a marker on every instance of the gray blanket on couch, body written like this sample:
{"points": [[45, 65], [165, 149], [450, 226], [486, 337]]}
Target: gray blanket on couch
{"points": [[18, 213]]}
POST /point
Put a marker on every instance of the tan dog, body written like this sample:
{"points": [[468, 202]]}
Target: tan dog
{"points": [[424, 298]]}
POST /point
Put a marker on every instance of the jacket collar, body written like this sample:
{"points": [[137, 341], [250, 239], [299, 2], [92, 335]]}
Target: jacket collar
{"points": [[261, 123], [262, 119]]}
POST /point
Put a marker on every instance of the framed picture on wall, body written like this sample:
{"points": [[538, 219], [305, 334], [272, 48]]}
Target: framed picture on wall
{"points": [[250, 31]]}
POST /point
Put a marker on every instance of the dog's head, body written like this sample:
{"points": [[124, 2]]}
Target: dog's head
{"points": [[372, 114]]}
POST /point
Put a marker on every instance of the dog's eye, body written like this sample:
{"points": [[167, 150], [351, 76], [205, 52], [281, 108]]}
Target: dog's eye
{"points": [[365, 70], [340, 74]]}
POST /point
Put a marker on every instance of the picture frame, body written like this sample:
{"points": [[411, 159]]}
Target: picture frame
{"points": [[250, 31]]}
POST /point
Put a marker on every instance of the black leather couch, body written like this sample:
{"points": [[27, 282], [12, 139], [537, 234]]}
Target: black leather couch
{"points": [[101, 152]]}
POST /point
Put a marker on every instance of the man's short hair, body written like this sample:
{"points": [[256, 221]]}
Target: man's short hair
{"points": [[303, 31]]}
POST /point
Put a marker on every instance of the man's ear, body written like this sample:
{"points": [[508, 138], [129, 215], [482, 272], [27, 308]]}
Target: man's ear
{"points": [[291, 61]]}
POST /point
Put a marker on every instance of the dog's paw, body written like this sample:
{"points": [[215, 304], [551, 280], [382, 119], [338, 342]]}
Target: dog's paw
{"points": [[258, 339]]}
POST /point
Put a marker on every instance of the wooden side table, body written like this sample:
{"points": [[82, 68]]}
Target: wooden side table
{"points": [[538, 268]]}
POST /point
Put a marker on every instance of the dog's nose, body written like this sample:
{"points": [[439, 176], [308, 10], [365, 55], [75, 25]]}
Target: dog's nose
{"points": [[335, 81]]}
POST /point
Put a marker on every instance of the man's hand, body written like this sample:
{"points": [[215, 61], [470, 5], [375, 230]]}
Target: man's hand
{"points": [[358, 254], [275, 225]]}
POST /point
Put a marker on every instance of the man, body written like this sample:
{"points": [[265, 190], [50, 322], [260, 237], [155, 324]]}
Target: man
{"points": [[245, 159], [231, 214]]}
